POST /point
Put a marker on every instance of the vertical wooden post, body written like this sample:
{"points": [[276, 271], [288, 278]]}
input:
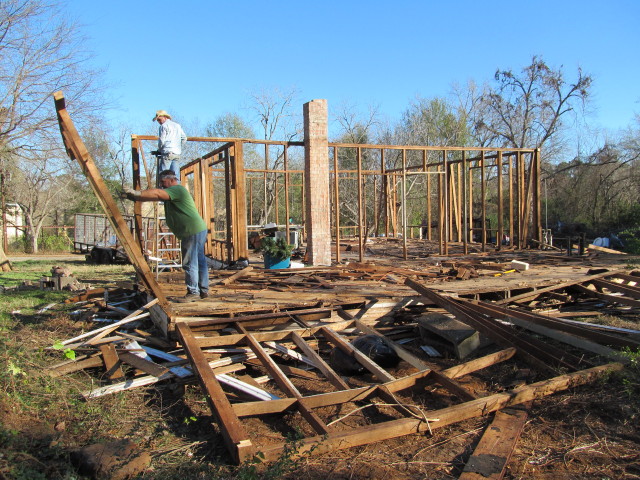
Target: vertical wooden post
{"points": [[459, 204], [463, 201], [286, 192], [511, 230], [137, 185], [537, 200], [230, 202], [240, 241], [483, 202], [375, 206], [360, 216], [441, 203], [447, 203], [381, 196], [521, 201], [336, 201], [470, 186], [251, 201], [276, 196], [499, 233], [404, 203], [265, 176]]}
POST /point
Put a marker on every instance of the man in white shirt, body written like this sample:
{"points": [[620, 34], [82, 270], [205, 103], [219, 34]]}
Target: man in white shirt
{"points": [[170, 142]]}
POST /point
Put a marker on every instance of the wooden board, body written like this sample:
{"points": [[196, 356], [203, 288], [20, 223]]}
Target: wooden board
{"points": [[491, 456]]}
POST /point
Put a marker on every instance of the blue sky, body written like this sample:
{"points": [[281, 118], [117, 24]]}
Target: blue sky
{"points": [[199, 59]]}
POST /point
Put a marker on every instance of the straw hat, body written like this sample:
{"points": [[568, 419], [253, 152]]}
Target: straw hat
{"points": [[161, 113]]}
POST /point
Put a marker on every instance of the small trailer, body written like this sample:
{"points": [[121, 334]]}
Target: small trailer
{"points": [[95, 237]]}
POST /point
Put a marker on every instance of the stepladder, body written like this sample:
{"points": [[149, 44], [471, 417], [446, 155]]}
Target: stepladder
{"points": [[168, 255]]}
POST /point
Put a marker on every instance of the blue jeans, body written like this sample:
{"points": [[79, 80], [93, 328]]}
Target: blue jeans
{"points": [[169, 162], [194, 263]]}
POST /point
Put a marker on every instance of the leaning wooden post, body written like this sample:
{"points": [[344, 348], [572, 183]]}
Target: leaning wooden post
{"points": [[77, 151]]}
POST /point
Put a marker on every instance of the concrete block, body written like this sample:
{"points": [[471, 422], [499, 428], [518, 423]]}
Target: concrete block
{"points": [[519, 266], [463, 339]]}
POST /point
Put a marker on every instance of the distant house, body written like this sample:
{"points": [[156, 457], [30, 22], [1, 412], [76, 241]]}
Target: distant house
{"points": [[15, 220]]}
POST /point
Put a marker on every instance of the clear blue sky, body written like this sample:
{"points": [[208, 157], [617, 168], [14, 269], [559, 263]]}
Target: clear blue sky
{"points": [[199, 59]]}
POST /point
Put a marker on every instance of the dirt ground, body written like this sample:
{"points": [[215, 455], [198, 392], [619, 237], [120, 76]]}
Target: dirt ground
{"points": [[589, 432]]}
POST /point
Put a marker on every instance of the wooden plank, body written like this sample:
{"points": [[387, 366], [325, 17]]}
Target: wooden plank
{"points": [[604, 249], [234, 339], [559, 286], [233, 432], [323, 366], [284, 383], [242, 273], [627, 290], [446, 416], [553, 328], [355, 394], [74, 366], [366, 362], [608, 298], [532, 350], [453, 386], [491, 456], [111, 362], [77, 151], [143, 364]]}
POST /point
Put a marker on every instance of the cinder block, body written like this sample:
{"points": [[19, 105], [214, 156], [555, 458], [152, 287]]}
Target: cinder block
{"points": [[520, 266], [461, 337]]}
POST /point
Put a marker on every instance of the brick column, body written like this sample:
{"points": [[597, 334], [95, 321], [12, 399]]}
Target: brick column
{"points": [[316, 181]]}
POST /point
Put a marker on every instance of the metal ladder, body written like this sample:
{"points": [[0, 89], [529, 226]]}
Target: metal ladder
{"points": [[166, 243]]}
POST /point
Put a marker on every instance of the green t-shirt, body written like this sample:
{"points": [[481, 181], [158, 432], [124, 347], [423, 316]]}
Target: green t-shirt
{"points": [[181, 213]]}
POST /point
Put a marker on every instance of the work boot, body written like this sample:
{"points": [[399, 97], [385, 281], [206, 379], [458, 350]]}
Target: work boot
{"points": [[189, 297], [204, 294]]}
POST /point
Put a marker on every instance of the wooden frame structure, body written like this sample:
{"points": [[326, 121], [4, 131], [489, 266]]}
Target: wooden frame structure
{"points": [[392, 406], [449, 195]]}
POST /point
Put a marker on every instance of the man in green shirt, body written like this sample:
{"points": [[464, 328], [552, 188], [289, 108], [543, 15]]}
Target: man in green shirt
{"points": [[186, 223]]}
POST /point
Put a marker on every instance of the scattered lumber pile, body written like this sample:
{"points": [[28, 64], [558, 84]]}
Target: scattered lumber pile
{"points": [[264, 345]]}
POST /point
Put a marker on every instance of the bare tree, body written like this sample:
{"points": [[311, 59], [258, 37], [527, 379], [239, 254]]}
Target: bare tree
{"points": [[35, 187], [274, 111], [527, 110], [40, 53]]}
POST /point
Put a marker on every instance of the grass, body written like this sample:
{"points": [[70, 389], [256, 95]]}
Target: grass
{"points": [[33, 270], [44, 418]]}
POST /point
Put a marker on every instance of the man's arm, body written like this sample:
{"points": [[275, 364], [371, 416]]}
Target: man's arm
{"points": [[151, 195], [154, 195]]}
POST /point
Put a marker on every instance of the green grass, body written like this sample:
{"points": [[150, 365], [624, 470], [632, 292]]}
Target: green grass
{"points": [[44, 418], [95, 275]]}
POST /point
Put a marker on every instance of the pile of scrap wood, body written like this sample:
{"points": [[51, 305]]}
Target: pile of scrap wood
{"points": [[252, 365]]}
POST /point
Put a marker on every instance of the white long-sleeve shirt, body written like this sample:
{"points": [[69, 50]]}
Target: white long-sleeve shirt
{"points": [[172, 137]]}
